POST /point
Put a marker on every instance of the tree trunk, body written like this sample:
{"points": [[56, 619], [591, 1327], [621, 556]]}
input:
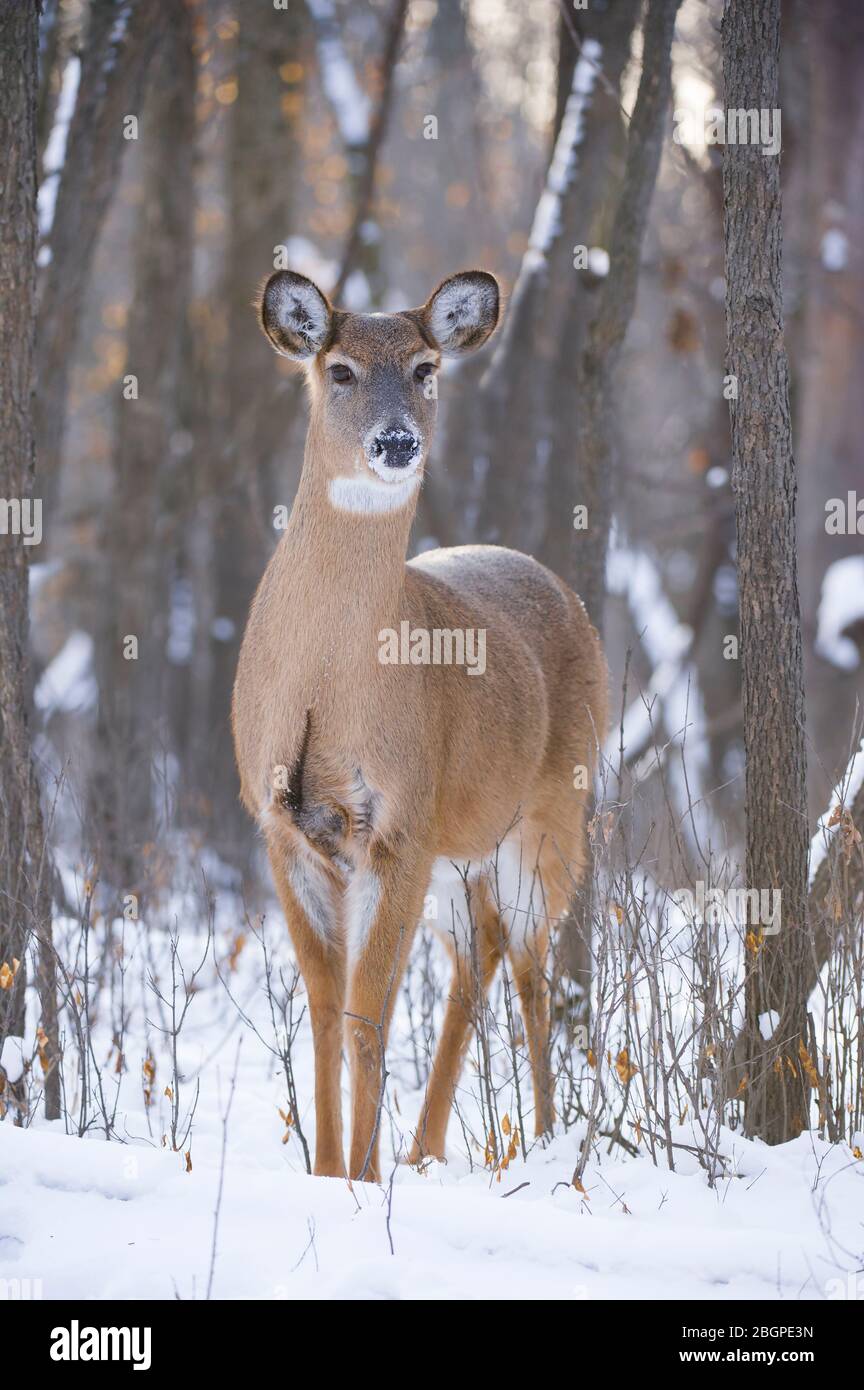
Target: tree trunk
{"points": [[118, 48], [249, 412], [139, 545], [827, 395], [362, 250], [590, 218], [589, 483], [25, 873], [615, 300], [764, 482]]}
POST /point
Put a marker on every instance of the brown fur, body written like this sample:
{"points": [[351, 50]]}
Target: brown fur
{"points": [[390, 767]]}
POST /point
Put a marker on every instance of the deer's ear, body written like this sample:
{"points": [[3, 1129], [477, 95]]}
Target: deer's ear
{"points": [[295, 315], [463, 311]]}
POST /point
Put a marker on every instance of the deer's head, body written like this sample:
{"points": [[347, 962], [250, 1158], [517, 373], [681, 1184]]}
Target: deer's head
{"points": [[371, 378]]}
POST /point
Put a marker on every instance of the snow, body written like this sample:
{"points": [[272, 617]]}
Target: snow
{"points": [[67, 684], [841, 604], [835, 249], [125, 1219], [598, 261], [304, 257], [843, 796], [547, 216], [768, 1024], [633, 575], [12, 1058], [350, 104], [357, 295], [670, 701], [110, 1222], [55, 149]]}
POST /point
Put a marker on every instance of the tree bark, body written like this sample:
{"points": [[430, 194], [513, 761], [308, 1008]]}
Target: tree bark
{"points": [[827, 396], [361, 251], [25, 875], [764, 482], [586, 210], [121, 38], [139, 545], [615, 300], [245, 407], [591, 222]]}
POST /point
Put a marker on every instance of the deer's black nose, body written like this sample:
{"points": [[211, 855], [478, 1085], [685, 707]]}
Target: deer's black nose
{"points": [[396, 447]]}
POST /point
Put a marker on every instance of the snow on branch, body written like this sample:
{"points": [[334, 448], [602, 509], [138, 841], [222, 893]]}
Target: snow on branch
{"points": [[666, 641], [548, 222], [350, 104], [848, 796], [841, 609]]}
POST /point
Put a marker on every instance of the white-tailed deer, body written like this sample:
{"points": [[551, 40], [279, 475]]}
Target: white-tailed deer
{"points": [[375, 753]]}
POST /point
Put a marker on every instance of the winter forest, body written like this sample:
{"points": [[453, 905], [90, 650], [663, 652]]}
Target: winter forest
{"points": [[580, 890]]}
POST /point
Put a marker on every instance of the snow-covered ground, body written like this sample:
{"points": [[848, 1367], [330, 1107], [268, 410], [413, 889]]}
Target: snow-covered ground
{"points": [[104, 1221], [96, 1219]]}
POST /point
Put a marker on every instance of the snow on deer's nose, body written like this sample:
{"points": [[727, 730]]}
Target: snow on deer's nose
{"points": [[393, 449]]}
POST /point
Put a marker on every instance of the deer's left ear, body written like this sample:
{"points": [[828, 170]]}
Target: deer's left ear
{"points": [[463, 311], [295, 315]]}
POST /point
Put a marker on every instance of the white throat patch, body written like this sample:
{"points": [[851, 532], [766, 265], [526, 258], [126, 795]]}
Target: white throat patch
{"points": [[362, 495]]}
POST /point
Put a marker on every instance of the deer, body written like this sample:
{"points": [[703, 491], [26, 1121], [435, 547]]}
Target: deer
{"points": [[383, 785]]}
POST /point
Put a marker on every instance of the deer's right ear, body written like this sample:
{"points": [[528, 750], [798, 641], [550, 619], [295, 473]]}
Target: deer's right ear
{"points": [[295, 315], [463, 312]]}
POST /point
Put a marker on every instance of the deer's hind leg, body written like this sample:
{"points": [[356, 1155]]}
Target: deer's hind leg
{"points": [[476, 956], [534, 877]]}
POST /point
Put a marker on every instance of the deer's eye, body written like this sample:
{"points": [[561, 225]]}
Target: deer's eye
{"points": [[341, 374], [423, 370]]}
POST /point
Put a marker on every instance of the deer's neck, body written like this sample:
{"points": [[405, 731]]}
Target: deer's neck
{"points": [[342, 573]]}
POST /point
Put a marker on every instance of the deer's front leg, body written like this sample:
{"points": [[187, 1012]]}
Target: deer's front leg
{"points": [[310, 911], [384, 904]]}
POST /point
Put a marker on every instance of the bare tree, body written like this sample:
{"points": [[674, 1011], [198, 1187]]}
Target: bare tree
{"points": [[121, 38], [361, 251], [531, 373], [615, 300], [592, 463], [25, 897], [241, 419], [138, 542], [764, 481], [829, 354]]}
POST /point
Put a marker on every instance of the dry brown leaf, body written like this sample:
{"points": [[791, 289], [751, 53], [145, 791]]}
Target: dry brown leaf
{"points": [[236, 950], [807, 1064], [624, 1067]]}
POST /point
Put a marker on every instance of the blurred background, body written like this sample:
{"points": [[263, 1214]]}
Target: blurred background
{"points": [[187, 148]]}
